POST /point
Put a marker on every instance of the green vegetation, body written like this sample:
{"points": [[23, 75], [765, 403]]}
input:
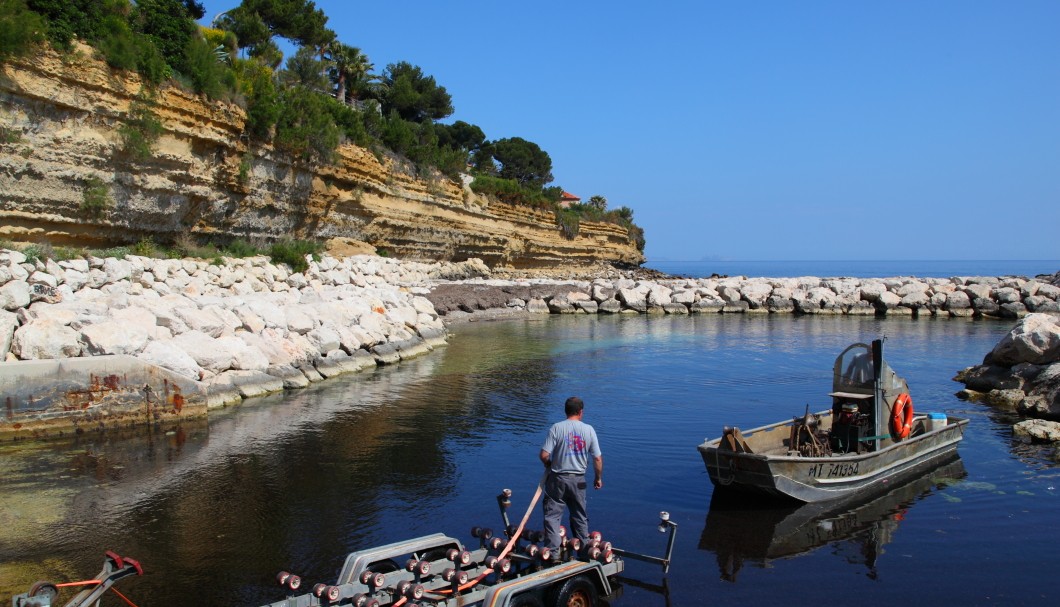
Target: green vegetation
{"points": [[20, 28], [291, 252], [95, 198], [326, 92], [244, 170], [9, 135], [512, 192], [569, 222], [141, 130]]}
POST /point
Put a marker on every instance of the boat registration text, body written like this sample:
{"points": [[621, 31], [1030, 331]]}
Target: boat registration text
{"points": [[838, 470]]}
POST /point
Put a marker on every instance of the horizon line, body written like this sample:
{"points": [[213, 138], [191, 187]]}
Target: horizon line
{"points": [[833, 260]]}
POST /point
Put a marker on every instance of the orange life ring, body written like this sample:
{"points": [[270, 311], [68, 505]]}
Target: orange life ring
{"points": [[902, 416]]}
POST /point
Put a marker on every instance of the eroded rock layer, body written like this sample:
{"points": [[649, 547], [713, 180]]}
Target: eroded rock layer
{"points": [[60, 121]]}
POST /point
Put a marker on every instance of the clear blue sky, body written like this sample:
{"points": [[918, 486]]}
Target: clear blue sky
{"points": [[764, 130]]}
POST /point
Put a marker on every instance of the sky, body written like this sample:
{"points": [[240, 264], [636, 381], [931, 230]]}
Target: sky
{"points": [[822, 130]]}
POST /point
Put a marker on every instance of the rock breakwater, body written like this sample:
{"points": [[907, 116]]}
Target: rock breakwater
{"points": [[243, 328], [978, 296]]}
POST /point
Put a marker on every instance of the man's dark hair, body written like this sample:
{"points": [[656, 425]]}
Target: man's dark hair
{"points": [[573, 406]]}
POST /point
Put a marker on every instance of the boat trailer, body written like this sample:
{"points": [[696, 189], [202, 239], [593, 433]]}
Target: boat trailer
{"points": [[439, 571], [45, 594]]}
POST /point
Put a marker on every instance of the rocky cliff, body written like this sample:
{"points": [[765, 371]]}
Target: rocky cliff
{"points": [[60, 117]]}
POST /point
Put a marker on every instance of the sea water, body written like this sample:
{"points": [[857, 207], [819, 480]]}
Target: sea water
{"points": [[296, 481], [858, 269]]}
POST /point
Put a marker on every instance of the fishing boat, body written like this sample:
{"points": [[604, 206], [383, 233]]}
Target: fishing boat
{"points": [[761, 534], [869, 439]]}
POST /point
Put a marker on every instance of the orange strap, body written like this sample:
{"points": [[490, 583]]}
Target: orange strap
{"points": [[123, 597], [511, 542]]}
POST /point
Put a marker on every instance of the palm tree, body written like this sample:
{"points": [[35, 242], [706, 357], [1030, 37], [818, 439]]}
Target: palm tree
{"points": [[348, 66]]}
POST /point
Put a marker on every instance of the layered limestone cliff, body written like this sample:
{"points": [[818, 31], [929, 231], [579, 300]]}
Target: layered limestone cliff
{"points": [[59, 136]]}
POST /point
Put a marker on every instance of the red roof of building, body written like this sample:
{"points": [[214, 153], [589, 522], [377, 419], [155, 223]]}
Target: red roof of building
{"points": [[568, 196]]}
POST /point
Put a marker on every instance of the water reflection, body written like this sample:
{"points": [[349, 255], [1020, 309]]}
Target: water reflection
{"points": [[297, 481], [743, 532]]}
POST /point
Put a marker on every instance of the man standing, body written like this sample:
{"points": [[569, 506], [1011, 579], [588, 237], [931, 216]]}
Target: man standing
{"points": [[566, 453]]}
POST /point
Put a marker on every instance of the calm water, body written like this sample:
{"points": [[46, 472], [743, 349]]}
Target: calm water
{"points": [[858, 269], [296, 482]]}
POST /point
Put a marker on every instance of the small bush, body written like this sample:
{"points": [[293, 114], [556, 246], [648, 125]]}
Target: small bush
{"points": [[140, 131], [244, 170], [569, 223], [293, 253], [240, 248], [145, 247], [115, 252], [39, 251], [95, 198], [9, 135], [511, 192]]}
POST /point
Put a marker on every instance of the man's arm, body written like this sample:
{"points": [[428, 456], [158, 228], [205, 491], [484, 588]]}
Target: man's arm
{"points": [[598, 468], [546, 458]]}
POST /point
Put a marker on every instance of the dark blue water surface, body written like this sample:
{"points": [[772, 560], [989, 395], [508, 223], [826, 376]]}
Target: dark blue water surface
{"points": [[858, 269], [297, 481]]}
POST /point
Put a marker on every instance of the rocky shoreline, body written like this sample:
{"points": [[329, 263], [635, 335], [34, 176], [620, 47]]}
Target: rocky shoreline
{"points": [[1021, 374], [247, 327], [244, 328], [626, 292]]}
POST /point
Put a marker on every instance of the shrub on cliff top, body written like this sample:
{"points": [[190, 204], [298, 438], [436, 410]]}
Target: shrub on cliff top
{"points": [[305, 129], [511, 192], [20, 28]]}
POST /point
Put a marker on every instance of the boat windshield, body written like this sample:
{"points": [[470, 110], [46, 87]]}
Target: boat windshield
{"points": [[853, 369]]}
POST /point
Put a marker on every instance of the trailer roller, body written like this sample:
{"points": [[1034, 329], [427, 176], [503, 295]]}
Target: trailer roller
{"points": [[513, 570]]}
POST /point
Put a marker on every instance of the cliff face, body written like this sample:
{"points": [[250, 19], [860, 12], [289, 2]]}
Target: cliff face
{"points": [[59, 132]]}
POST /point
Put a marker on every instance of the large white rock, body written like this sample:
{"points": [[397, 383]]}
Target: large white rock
{"points": [[207, 320], [888, 300], [113, 337], [14, 295], [170, 356], [957, 300], [244, 357], [1006, 295], [756, 293], [1035, 339], [44, 338], [324, 339], [1037, 431], [8, 324], [116, 269], [912, 288], [299, 319], [659, 296], [209, 353]]}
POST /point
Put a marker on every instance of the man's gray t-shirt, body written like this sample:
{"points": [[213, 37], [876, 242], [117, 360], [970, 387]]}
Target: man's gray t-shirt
{"points": [[571, 443]]}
